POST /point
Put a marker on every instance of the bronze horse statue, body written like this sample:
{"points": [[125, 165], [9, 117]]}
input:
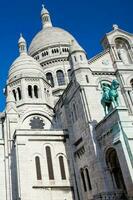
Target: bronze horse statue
{"points": [[110, 96]]}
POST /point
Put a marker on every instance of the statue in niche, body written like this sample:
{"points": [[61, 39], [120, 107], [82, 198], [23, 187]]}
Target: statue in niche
{"points": [[110, 96], [122, 50]]}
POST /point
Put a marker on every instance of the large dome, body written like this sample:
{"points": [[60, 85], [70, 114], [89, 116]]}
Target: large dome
{"points": [[48, 37]]}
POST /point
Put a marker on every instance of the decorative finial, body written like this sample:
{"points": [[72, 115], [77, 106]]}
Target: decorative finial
{"points": [[43, 6], [22, 45], [44, 10], [46, 21], [115, 26]]}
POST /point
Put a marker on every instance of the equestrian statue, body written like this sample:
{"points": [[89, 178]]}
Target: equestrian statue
{"points": [[110, 96]]}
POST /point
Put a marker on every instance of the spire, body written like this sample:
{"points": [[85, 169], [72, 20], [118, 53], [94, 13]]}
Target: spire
{"points": [[22, 45], [46, 21]]}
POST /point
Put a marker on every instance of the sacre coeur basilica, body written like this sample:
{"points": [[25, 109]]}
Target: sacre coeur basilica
{"points": [[67, 130]]}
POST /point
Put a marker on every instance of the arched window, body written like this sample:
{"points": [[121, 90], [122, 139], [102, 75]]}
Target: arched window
{"points": [[49, 163], [87, 79], [81, 58], [115, 169], [30, 91], [46, 19], [62, 168], [38, 168], [69, 74], [88, 179], [60, 77], [14, 94], [75, 58], [36, 91], [83, 180], [50, 79], [19, 93], [75, 112]]}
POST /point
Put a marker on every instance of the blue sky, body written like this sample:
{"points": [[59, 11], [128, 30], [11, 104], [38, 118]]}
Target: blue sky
{"points": [[87, 20]]}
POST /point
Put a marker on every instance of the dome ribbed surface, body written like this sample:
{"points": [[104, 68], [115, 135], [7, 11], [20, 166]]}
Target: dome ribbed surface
{"points": [[48, 37], [25, 65]]}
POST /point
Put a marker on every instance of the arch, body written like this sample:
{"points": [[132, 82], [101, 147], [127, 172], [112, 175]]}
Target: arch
{"points": [[14, 94], [49, 163], [33, 113], [38, 168], [30, 91], [36, 91], [83, 179], [123, 50], [50, 79], [102, 79], [62, 168], [124, 37], [60, 77], [88, 178], [115, 168]]}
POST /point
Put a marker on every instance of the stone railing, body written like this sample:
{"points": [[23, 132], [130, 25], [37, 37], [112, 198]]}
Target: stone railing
{"points": [[118, 195]]}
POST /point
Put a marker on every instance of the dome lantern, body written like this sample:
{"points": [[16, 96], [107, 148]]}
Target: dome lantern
{"points": [[22, 45], [46, 20]]}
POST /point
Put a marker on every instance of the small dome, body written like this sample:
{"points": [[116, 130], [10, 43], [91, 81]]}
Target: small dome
{"points": [[21, 39], [48, 37], [27, 66]]}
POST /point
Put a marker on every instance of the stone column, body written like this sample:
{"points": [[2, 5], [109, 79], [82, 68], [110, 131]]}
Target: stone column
{"points": [[114, 52]]}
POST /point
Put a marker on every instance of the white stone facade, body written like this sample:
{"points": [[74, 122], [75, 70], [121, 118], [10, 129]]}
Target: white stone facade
{"points": [[55, 141]]}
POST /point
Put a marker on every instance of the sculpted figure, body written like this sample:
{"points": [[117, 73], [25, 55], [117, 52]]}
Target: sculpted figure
{"points": [[110, 96], [123, 54]]}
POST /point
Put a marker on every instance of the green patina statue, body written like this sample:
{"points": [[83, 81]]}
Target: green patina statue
{"points": [[110, 96]]}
